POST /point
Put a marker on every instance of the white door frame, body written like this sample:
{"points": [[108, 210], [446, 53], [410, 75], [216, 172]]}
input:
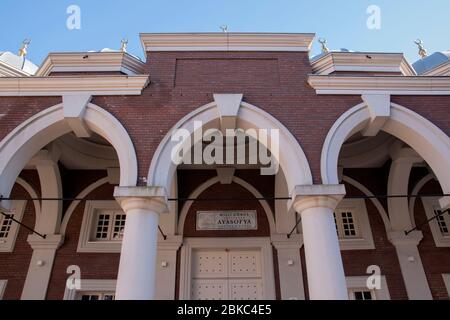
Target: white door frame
{"points": [[258, 243]]}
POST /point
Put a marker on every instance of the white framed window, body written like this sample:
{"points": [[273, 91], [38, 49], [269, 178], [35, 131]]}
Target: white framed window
{"points": [[446, 278], [2, 288], [358, 290], [353, 226], [440, 226], [8, 228], [102, 227], [92, 289]]}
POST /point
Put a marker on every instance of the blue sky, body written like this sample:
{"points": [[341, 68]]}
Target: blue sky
{"points": [[105, 22]]}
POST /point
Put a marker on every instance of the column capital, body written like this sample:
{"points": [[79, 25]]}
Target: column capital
{"points": [[399, 238], [51, 241], [149, 198], [311, 196], [281, 241]]}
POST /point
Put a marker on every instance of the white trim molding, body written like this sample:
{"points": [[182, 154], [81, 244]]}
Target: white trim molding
{"points": [[430, 142], [91, 62], [364, 239], [228, 41], [430, 204], [361, 62], [3, 284], [18, 209], [61, 85], [92, 285], [261, 243], [393, 85], [360, 282], [22, 143], [446, 278], [292, 159], [74, 204], [85, 241]]}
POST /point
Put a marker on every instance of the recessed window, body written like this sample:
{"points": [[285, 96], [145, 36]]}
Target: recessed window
{"points": [[439, 222], [345, 224], [361, 294], [102, 228], [442, 223], [88, 296], [8, 228], [2, 288], [352, 225], [92, 289], [358, 289], [110, 225], [5, 226]]}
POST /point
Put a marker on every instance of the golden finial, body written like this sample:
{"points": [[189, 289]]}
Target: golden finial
{"points": [[224, 28], [422, 51], [23, 49], [323, 43], [124, 43]]}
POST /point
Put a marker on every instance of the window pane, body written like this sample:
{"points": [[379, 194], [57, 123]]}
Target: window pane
{"points": [[119, 225], [348, 224], [5, 227], [102, 226], [441, 222]]}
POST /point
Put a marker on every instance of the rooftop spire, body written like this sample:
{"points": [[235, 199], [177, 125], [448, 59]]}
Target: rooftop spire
{"points": [[23, 50], [123, 46], [323, 43], [422, 51]]}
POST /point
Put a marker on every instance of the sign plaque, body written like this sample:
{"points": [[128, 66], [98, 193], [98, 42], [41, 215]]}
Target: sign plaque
{"points": [[227, 220]]}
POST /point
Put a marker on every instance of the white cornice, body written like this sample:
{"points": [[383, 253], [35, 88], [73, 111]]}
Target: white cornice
{"points": [[57, 86], [361, 62], [394, 85], [226, 41], [91, 62], [8, 71]]}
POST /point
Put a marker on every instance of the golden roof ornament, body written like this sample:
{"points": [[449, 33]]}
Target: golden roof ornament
{"points": [[323, 43], [23, 50], [123, 46], [422, 51]]}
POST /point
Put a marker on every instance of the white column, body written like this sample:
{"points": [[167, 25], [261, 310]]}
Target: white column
{"points": [[316, 204], [413, 273], [40, 269], [289, 266], [137, 268]]}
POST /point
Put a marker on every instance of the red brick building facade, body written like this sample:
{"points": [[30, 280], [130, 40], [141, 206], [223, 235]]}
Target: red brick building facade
{"points": [[88, 140]]}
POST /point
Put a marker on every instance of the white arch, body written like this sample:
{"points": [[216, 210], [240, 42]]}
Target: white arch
{"points": [[424, 137], [33, 194], [75, 203], [292, 158], [198, 191], [19, 146], [419, 185], [375, 201]]}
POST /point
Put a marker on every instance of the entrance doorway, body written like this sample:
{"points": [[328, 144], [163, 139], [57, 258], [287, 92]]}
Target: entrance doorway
{"points": [[226, 274], [227, 269]]}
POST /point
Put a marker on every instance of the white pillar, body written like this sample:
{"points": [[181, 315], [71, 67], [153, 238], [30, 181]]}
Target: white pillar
{"points": [[137, 268], [289, 266], [41, 264], [413, 272], [316, 204]]}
